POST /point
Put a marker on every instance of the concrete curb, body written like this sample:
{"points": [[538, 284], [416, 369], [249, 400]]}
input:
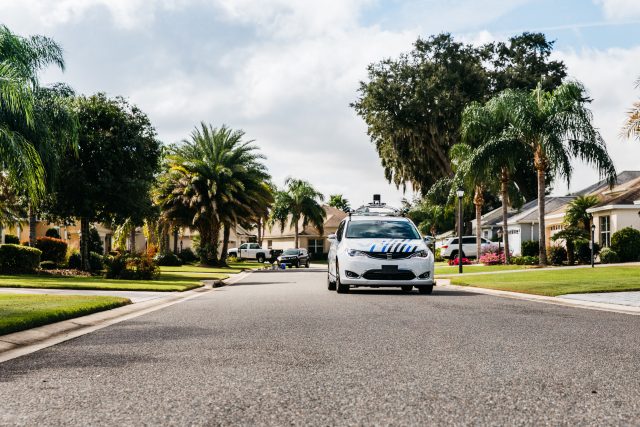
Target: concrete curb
{"points": [[25, 342], [615, 308]]}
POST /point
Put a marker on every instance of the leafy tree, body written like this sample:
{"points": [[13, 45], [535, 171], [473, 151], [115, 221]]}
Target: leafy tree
{"points": [[299, 201], [211, 182], [339, 202], [413, 105], [109, 178], [555, 127], [631, 128]]}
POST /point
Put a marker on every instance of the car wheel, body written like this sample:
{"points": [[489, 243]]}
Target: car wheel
{"points": [[330, 285], [260, 258], [453, 255], [233, 254], [306, 264], [342, 289], [407, 288], [296, 264], [427, 290]]}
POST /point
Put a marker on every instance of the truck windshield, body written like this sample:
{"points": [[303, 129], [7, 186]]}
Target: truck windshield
{"points": [[377, 229]]}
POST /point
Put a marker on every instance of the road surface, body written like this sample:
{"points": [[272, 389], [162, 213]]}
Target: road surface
{"points": [[278, 348]]}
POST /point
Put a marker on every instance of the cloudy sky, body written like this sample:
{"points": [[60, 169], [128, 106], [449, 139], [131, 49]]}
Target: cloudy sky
{"points": [[285, 71]]}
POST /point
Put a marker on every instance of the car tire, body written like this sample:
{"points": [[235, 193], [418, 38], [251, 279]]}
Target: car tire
{"points": [[330, 285], [453, 255], [306, 265], [340, 288], [233, 254], [407, 288], [260, 258], [296, 264], [427, 290]]}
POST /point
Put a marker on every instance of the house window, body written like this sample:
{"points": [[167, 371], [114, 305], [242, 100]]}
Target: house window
{"points": [[269, 244], [605, 231], [316, 246]]}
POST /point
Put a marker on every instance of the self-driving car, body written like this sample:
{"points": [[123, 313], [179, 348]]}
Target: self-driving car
{"points": [[375, 250]]}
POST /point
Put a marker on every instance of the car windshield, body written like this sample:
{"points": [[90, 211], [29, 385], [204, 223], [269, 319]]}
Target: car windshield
{"points": [[290, 252], [377, 229]]}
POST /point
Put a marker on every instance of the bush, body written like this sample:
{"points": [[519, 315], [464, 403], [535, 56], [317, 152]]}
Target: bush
{"points": [[187, 256], [95, 242], [52, 249], [437, 255], [525, 260], [454, 261], [167, 259], [232, 258], [583, 251], [530, 248], [19, 259], [152, 250], [96, 261], [609, 256], [131, 267], [492, 258], [11, 239], [52, 232], [74, 260], [556, 254], [48, 265], [626, 243]]}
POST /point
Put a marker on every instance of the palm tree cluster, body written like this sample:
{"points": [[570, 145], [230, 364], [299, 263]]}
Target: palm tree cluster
{"points": [[543, 130], [213, 181]]}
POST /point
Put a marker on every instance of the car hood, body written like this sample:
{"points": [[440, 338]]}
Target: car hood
{"points": [[387, 245]]}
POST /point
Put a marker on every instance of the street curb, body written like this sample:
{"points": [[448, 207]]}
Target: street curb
{"points": [[25, 342], [615, 308]]}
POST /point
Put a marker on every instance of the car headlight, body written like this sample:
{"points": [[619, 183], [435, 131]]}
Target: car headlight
{"points": [[355, 252], [420, 254]]}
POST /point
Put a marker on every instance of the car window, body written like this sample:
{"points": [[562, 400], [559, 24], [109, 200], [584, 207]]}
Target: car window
{"points": [[243, 246], [255, 246], [290, 252], [379, 229], [453, 242], [468, 240], [486, 241]]}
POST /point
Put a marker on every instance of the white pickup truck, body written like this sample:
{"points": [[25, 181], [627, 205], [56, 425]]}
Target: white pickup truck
{"points": [[252, 251]]}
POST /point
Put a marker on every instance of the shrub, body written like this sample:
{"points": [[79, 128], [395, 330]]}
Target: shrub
{"points": [[95, 242], [583, 251], [52, 249], [556, 254], [74, 260], [437, 255], [47, 265], [19, 259], [96, 261], [454, 261], [609, 256], [152, 250], [232, 258], [492, 258], [168, 259], [187, 256], [626, 243], [525, 260], [131, 267], [11, 239], [530, 248], [52, 232]]}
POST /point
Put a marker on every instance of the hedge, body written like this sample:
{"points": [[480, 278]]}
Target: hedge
{"points": [[626, 243], [52, 249], [19, 259]]}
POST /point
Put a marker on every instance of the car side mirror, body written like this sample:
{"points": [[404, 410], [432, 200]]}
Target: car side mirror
{"points": [[332, 237], [429, 240]]}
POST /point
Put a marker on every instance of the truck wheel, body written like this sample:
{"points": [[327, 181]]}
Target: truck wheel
{"points": [[260, 258]]}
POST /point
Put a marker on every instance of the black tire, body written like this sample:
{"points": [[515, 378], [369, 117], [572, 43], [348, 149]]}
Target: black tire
{"points": [[296, 264], [454, 255], [330, 285], [407, 288], [342, 289], [306, 265], [233, 254], [260, 258], [427, 290]]}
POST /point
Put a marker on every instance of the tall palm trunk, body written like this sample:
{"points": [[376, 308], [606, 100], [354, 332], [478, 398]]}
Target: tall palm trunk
{"points": [[84, 243], [260, 231], [540, 164], [504, 192], [214, 239], [175, 240], [296, 231], [226, 232], [32, 226], [478, 201], [132, 240]]}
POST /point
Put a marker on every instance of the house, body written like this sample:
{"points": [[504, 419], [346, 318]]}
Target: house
{"points": [[309, 237], [68, 233]]}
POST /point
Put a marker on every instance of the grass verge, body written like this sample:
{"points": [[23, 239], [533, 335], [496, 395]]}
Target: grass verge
{"points": [[453, 269], [20, 312], [558, 282]]}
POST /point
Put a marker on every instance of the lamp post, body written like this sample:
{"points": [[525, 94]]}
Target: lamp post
{"points": [[460, 194], [499, 241], [593, 235]]}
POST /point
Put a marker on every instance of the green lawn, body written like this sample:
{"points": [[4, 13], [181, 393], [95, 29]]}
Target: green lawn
{"points": [[558, 282], [171, 279], [20, 312], [453, 269]]}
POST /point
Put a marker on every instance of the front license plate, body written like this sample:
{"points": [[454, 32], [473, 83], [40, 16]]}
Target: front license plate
{"points": [[389, 268]]}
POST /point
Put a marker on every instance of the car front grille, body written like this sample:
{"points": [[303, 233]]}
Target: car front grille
{"points": [[389, 275], [394, 255]]}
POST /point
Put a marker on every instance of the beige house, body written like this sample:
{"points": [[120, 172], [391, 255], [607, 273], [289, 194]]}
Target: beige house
{"points": [[309, 237]]}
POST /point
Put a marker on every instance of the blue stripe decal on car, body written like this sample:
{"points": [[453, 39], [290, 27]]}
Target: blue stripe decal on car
{"points": [[372, 247], [383, 248], [408, 248]]}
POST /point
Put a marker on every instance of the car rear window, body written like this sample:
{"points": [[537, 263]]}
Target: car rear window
{"points": [[377, 229]]}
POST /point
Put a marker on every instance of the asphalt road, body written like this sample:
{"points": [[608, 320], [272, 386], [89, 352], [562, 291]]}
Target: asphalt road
{"points": [[278, 348]]}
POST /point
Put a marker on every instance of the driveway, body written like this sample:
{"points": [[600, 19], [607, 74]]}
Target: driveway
{"points": [[278, 348]]}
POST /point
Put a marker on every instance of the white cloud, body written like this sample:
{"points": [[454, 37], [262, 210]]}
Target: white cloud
{"points": [[620, 9]]}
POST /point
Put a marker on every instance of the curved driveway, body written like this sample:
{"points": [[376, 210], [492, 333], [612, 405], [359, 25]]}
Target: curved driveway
{"points": [[278, 348]]}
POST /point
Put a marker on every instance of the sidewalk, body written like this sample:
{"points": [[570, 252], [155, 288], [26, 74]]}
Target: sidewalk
{"points": [[134, 296]]}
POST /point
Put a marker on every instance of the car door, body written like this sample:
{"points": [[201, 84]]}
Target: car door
{"points": [[304, 256], [243, 250], [469, 246], [334, 248], [253, 249]]}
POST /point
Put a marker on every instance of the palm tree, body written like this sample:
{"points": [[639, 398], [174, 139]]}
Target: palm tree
{"points": [[631, 128], [576, 213], [299, 201], [21, 59], [211, 182], [339, 202]]}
